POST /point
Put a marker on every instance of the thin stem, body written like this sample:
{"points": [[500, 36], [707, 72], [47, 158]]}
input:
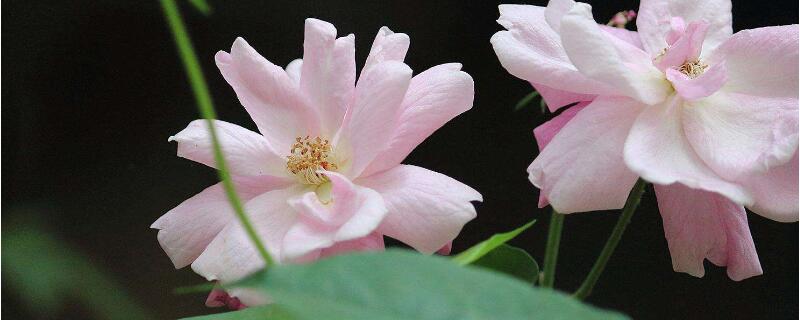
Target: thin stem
{"points": [[551, 252], [206, 107], [624, 219]]}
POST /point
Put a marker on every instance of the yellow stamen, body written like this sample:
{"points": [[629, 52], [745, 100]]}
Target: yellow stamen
{"points": [[309, 155], [693, 69]]}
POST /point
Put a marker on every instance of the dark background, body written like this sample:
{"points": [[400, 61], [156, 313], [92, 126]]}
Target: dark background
{"points": [[92, 90]]}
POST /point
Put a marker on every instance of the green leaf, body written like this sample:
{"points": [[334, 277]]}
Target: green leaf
{"points": [[512, 261], [202, 6], [525, 101], [271, 312], [400, 284], [543, 106], [479, 250]]}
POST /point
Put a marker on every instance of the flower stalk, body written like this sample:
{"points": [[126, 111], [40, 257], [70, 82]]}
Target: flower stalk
{"points": [[611, 244], [206, 108], [551, 251]]}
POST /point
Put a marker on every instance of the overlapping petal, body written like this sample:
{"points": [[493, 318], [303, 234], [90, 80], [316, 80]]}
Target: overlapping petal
{"points": [[581, 169], [387, 46], [657, 149], [775, 192], [375, 114], [328, 72], [268, 94], [654, 16], [426, 209], [434, 97]]}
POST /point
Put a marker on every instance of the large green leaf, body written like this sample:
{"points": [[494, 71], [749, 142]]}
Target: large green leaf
{"points": [[479, 250], [512, 261], [399, 284]]}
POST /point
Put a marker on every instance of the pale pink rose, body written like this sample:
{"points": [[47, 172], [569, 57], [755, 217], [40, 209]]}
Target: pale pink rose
{"points": [[323, 176], [708, 116]]}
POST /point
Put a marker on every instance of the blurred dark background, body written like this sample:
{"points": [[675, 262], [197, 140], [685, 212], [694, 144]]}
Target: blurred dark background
{"points": [[92, 90]]}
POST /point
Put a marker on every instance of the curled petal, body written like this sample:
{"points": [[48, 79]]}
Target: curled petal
{"points": [[387, 46], [704, 225]]}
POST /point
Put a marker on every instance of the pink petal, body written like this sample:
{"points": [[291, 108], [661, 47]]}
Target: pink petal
{"points": [[426, 209], [532, 50], [219, 298], [387, 46], [654, 17], [372, 242], [294, 69], [581, 169], [614, 62], [631, 37], [761, 62], [246, 152], [657, 150], [375, 115], [546, 131], [268, 94], [232, 255], [328, 73], [555, 98], [445, 251], [737, 134], [434, 97], [699, 225], [703, 86], [686, 48], [351, 212], [775, 192], [185, 231]]}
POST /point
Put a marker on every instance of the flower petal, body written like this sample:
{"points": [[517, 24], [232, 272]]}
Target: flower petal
{"points": [[246, 152], [372, 242], [546, 131], [375, 115], [232, 255], [556, 99], [775, 192], [699, 225], [532, 50], [609, 59], [737, 134], [654, 17], [703, 86], [387, 46], [426, 209], [268, 94], [686, 48], [329, 72], [185, 231], [626, 35], [581, 169], [351, 213], [293, 69], [434, 97], [657, 150], [761, 62]]}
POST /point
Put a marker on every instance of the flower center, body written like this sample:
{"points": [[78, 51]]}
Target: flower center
{"points": [[693, 69], [309, 155]]}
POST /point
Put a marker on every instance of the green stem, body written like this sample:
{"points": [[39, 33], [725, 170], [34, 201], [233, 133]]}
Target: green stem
{"points": [[551, 252], [206, 107], [624, 219]]}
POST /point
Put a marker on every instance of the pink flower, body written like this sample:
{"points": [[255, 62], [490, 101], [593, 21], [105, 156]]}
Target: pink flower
{"points": [[323, 176], [709, 117]]}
